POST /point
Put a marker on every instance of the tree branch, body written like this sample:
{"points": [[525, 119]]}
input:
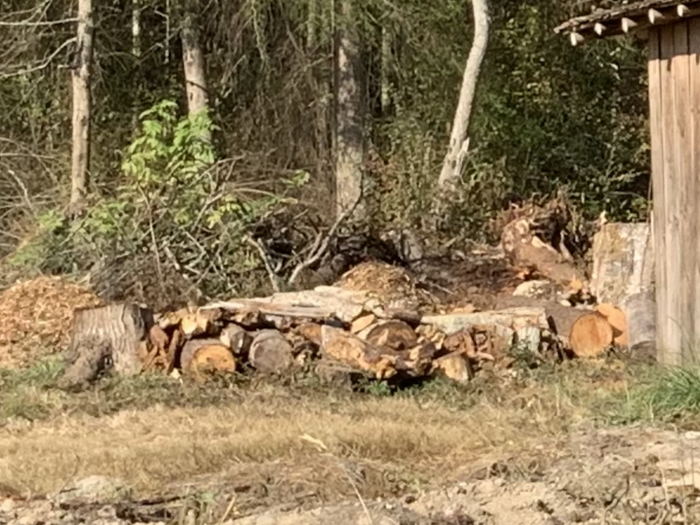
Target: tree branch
{"points": [[42, 65]]}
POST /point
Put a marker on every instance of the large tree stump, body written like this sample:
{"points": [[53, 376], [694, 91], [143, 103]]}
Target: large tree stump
{"points": [[107, 336], [623, 262]]}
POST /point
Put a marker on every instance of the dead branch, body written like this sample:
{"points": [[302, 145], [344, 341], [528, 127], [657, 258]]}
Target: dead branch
{"points": [[266, 261], [321, 244], [43, 65]]}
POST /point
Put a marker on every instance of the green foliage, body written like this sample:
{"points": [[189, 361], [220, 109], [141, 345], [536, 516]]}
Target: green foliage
{"points": [[173, 203]]}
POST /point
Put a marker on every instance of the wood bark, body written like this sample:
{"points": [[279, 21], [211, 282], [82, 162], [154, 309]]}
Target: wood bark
{"points": [[115, 333], [459, 141], [349, 132], [193, 62], [623, 262], [271, 353], [82, 109]]}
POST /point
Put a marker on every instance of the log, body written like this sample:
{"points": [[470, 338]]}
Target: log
{"points": [[590, 335], [103, 337], [212, 359], [361, 323], [618, 321], [454, 366], [191, 347], [526, 250], [237, 339], [515, 325], [394, 335], [623, 262], [271, 353], [346, 348], [640, 311]]}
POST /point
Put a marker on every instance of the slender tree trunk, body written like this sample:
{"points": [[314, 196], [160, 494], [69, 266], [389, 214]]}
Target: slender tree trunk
{"points": [[136, 28], [386, 61], [80, 161], [349, 135], [459, 142], [193, 61]]}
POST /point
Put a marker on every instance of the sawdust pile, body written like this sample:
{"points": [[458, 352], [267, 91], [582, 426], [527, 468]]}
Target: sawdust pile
{"points": [[392, 285], [36, 316]]}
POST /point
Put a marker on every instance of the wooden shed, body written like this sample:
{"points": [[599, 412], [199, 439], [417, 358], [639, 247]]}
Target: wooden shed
{"points": [[671, 29]]}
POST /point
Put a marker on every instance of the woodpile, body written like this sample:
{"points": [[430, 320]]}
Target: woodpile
{"points": [[341, 332], [327, 328]]}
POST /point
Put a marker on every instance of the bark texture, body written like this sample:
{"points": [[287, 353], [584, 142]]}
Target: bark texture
{"points": [[80, 158], [193, 62], [113, 336], [349, 137], [459, 141]]}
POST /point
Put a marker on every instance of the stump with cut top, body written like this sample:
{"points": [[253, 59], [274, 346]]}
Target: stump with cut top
{"points": [[108, 337], [672, 31]]}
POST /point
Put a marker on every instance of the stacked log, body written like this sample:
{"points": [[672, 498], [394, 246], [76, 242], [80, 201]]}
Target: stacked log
{"points": [[327, 328]]}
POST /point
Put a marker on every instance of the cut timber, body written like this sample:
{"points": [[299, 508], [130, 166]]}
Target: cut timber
{"points": [[618, 321], [590, 335], [190, 348], [236, 338], [526, 250], [395, 335], [454, 366], [623, 261], [115, 333], [361, 323], [515, 325], [353, 351], [640, 311], [215, 358], [271, 353]]}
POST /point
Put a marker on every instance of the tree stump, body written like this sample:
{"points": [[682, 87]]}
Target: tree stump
{"points": [[111, 336]]}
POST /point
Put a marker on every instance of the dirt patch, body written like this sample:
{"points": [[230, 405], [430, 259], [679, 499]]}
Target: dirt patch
{"points": [[35, 318], [616, 476]]}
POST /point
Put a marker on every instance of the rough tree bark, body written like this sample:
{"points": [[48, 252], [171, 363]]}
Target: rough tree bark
{"points": [[349, 139], [193, 62], [80, 161], [136, 28], [459, 141], [115, 333]]}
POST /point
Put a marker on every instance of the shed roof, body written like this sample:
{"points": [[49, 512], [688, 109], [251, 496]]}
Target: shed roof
{"points": [[628, 18]]}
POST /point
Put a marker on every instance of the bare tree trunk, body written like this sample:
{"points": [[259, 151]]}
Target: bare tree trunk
{"points": [[459, 142], [349, 135], [136, 28], [386, 60], [193, 61], [80, 161]]}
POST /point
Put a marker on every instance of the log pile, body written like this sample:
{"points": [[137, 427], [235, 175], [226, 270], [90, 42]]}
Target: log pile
{"points": [[326, 329], [339, 332]]}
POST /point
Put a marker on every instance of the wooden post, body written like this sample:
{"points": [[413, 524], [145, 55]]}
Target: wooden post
{"points": [[674, 97]]}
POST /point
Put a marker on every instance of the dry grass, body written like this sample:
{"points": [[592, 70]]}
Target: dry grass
{"points": [[151, 433]]}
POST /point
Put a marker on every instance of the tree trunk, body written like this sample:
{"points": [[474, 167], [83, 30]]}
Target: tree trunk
{"points": [[349, 136], [116, 333], [136, 28], [459, 142], [193, 61], [80, 161], [385, 80]]}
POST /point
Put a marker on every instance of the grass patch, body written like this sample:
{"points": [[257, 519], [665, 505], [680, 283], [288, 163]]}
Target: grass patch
{"points": [[155, 430]]}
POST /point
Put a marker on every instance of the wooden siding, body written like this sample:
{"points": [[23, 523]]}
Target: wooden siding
{"points": [[674, 97]]}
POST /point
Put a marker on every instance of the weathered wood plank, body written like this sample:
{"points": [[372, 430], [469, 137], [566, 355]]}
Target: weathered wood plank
{"points": [[682, 246], [657, 171], [694, 63]]}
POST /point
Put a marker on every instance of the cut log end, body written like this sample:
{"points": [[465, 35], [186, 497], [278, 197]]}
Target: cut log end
{"points": [[591, 335]]}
